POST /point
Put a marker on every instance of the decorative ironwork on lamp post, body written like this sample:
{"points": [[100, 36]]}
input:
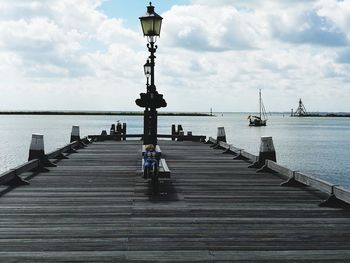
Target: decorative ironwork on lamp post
{"points": [[151, 24]]}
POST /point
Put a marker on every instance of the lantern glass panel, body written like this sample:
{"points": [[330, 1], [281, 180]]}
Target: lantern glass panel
{"points": [[147, 25], [157, 25], [147, 69]]}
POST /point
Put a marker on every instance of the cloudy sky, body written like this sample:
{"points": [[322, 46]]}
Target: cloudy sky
{"points": [[89, 54]]}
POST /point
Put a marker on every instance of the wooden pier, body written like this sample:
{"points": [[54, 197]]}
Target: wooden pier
{"points": [[95, 207]]}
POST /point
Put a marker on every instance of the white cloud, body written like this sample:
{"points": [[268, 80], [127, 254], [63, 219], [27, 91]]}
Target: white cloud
{"points": [[51, 38], [204, 28], [211, 54], [336, 10]]}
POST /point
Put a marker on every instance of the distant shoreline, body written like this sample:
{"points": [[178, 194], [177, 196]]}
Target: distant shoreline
{"points": [[322, 115], [106, 113]]}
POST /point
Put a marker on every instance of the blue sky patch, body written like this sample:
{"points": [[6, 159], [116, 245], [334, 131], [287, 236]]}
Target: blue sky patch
{"points": [[131, 10]]}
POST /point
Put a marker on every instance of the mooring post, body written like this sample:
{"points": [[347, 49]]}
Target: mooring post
{"points": [[119, 127], [119, 131], [75, 134], [103, 135], [220, 137], [173, 132], [112, 130], [189, 135], [36, 151], [124, 131], [181, 135], [266, 152]]}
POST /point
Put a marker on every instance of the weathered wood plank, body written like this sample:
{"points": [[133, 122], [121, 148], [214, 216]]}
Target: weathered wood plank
{"points": [[342, 194], [10, 175], [314, 182], [95, 207], [287, 173]]}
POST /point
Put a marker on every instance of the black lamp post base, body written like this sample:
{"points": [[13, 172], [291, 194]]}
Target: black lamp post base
{"points": [[150, 127]]}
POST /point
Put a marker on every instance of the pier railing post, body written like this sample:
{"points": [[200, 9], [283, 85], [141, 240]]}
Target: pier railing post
{"points": [[124, 131], [181, 135], [266, 152], [173, 132], [103, 135], [189, 135], [75, 134], [36, 151], [112, 130], [221, 135], [119, 130]]}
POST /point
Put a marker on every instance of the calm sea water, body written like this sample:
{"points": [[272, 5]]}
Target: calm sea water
{"points": [[316, 146]]}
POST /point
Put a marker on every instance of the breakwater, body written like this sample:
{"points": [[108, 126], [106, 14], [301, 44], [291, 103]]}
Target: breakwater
{"points": [[329, 115], [100, 113]]}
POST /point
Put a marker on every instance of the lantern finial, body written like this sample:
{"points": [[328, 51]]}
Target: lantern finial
{"points": [[150, 9]]}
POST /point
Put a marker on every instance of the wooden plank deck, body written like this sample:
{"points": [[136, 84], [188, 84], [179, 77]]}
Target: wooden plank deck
{"points": [[95, 207]]}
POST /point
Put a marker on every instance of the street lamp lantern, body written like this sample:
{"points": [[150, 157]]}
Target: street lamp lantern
{"points": [[151, 23]]}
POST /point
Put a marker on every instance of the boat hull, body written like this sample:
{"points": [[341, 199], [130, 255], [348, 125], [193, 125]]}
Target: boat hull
{"points": [[257, 123]]}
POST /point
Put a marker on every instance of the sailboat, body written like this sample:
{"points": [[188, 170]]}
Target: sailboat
{"points": [[262, 118]]}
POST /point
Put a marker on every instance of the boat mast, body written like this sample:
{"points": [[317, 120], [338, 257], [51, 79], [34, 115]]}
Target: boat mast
{"points": [[260, 102]]}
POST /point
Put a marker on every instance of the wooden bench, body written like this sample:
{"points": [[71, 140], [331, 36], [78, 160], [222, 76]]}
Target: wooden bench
{"points": [[164, 171]]}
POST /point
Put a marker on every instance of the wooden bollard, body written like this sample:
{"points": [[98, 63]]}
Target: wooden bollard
{"points": [[75, 134], [189, 135], [124, 131], [181, 135], [173, 132], [266, 152], [119, 127], [221, 135], [103, 135], [37, 151], [119, 130], [112, 130]]}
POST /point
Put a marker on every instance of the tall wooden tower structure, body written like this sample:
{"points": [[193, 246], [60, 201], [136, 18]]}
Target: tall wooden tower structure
{"points": [[301, 111]]}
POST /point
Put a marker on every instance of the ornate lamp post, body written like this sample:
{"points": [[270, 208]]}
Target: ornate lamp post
{"points": [[151, 24]]}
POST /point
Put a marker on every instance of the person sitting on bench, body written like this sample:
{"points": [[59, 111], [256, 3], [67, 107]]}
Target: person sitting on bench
{"points": [[151, 160]]}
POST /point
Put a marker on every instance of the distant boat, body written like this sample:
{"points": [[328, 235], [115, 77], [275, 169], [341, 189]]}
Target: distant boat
{"points": [[262, 118]]}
